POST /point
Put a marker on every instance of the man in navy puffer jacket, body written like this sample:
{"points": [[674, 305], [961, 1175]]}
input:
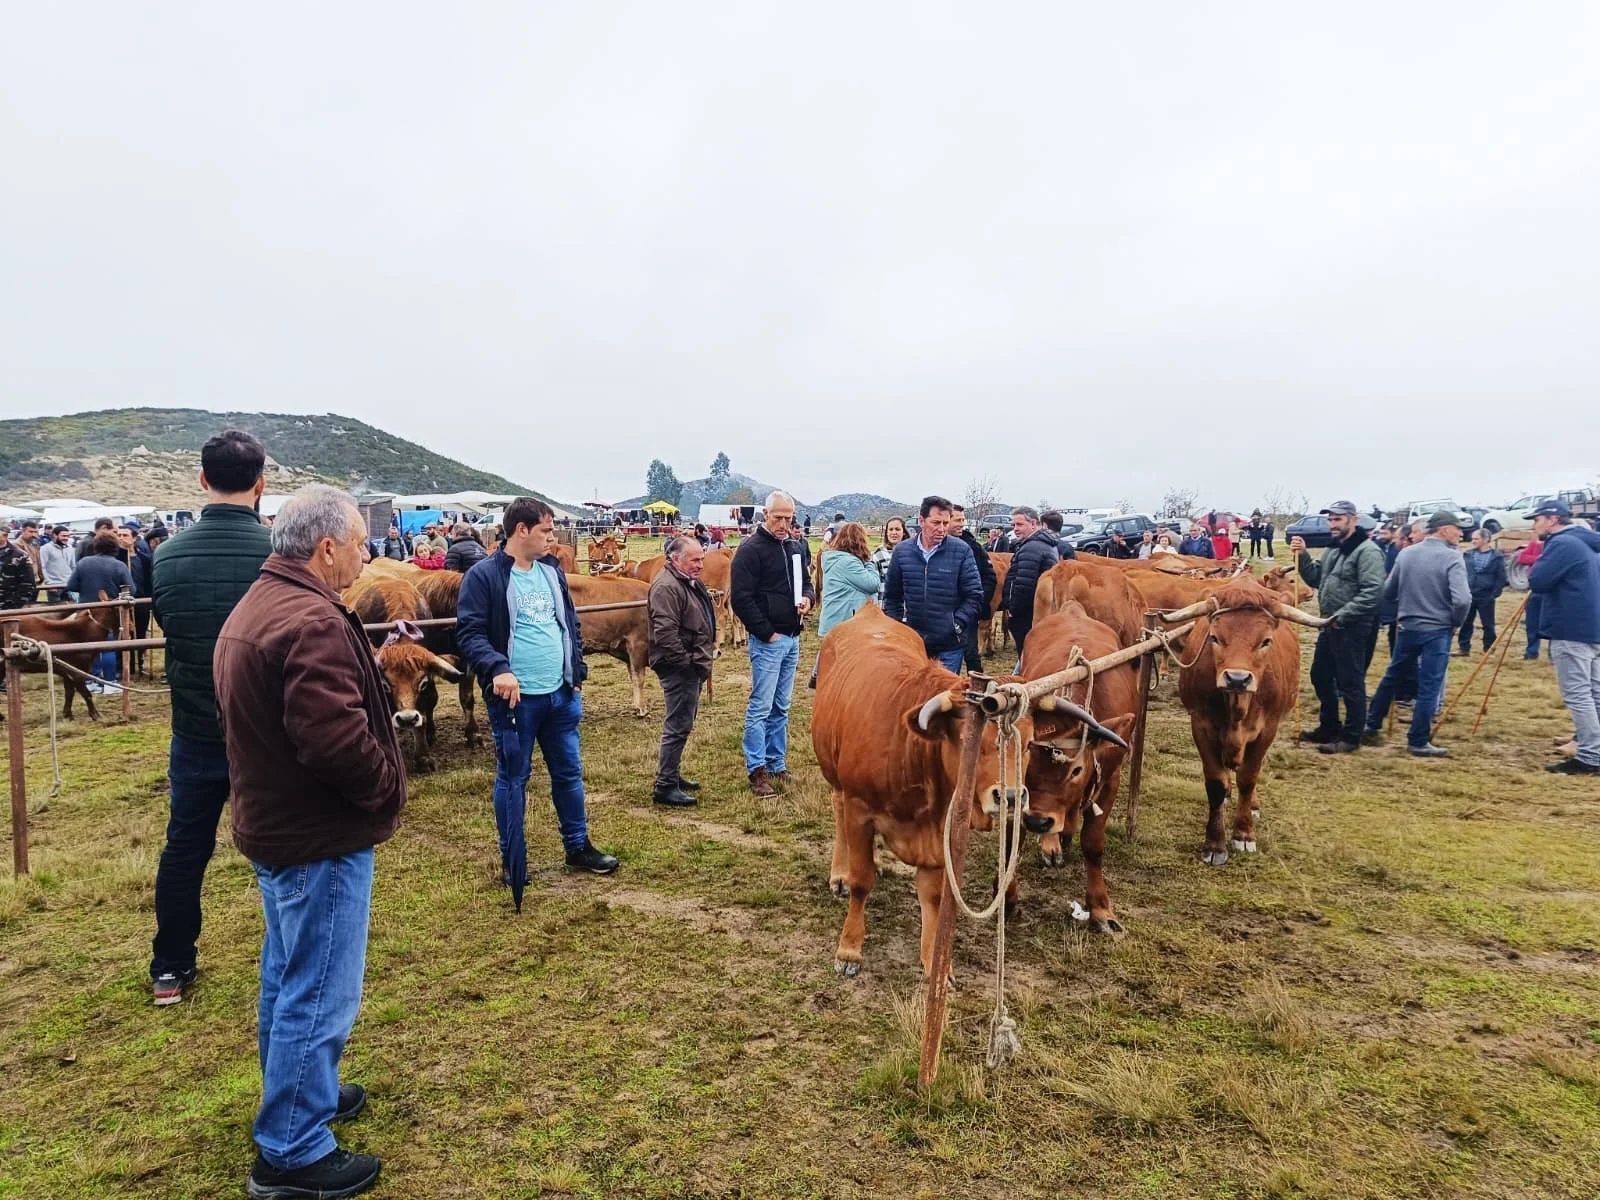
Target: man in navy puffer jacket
{"points": [[1566, 578], [933, 585]]}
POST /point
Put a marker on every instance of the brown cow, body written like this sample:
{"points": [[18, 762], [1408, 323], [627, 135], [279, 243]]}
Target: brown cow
{"points": [[995, 630], [565, 558], [884, 727], [1073, 768], [85, 625], [647, 569], [715, 575], [1160, 590], [407, 666], [1111, 597], [440, 590], [622, 633], [1236, 689], [607, 555]]}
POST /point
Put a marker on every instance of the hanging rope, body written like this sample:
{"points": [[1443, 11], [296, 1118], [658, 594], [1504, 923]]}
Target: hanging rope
{"points": [[29, 650]]}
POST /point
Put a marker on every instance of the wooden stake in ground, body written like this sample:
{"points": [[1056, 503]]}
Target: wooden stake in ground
{"points": [[1136, 771], [1505, 644], [1482, 662], [972, 723], [18, 754]]}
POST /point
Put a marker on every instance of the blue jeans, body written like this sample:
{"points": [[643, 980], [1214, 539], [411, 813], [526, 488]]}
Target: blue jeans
{"points": [[1531, 619], [312, 964], [1429, 651], [766, 717], [551, 721], [952, 660], [197, 773]]}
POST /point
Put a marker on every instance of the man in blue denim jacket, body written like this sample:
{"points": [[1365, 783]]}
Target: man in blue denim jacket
{"points": [[518, 630]]}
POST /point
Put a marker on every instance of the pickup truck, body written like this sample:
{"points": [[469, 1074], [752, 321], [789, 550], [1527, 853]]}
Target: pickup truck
{"points": [[1097, 536]]}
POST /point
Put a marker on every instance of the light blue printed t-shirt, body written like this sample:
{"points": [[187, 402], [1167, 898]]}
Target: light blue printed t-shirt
{"points": [[536, 650]]}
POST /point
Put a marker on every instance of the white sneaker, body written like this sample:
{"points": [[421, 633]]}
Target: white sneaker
{"points": [[110, 689], [93, 687]]}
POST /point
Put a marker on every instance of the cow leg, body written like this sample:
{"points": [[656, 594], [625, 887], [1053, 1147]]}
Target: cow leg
{"points": [[1098, 896], [1244, 813], [836, 872], [930, 886], [469, 707], [1216, 776], [636, 670], [860, 875]]}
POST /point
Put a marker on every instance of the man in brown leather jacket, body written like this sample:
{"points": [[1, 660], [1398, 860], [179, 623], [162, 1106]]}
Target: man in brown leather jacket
{"points": [[317, 781], [683, 635]]}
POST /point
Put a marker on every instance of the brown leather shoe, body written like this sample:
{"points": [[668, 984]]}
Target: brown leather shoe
{"points": [[760, 784], [780, 779]]}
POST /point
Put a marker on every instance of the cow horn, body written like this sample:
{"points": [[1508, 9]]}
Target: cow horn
{"points": [[1061, 704], [1290, 613], [1191, 610], [941, 703]]}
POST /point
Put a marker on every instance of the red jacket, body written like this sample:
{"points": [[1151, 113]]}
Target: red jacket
{"points": [[313, 760], [1529, 554]]}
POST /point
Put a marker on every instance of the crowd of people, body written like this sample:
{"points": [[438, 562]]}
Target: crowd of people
{"points": [[255, 628]]}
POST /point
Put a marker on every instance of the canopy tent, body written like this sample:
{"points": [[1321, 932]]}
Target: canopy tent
{"points": [[7, 513], [61, 502], [270, 505], [83, 519], [660, 506]]}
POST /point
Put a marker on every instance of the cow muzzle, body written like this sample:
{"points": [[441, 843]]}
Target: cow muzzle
{"points": [[1236, 681], [1034, 823], [990, 802], [407, 718]]}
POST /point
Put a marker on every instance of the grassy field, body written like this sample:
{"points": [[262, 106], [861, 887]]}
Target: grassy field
{"points": [[1399, 996]]}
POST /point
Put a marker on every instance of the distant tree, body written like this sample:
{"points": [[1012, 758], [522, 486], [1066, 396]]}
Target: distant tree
{"points": [[660, 483], [1285, 504], [1125, 505], [982, 498], [1178, 502], [737, 495], [719, 481]]}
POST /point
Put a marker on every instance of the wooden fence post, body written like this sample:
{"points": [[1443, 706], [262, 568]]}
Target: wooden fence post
{"points": [[18, 755], [1136, 770]]}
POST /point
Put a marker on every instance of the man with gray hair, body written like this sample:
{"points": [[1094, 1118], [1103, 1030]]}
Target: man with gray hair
{"points": [[683, 635], [318, 781]]}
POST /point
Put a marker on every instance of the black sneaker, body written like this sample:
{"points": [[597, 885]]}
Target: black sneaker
{"points": [[1318, 737], [352, 1099], [672, 797], [589, 859], [168, 987], [1428, 751], [1339, 746], [1372, 738], [688, 785], [1571, 766], [337, 1173]]}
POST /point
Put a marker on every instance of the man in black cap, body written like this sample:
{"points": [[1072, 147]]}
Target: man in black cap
{"points": [[1566, 577], [1349, 583], [1429, 588]]}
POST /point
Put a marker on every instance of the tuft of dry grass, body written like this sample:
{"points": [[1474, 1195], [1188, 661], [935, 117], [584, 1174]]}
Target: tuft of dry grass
{"points": [[1136, 1090], [1278, 1017]]}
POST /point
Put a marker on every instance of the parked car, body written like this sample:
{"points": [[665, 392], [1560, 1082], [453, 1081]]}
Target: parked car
{"points": [[1314, 528], [1419, 510], [1514, 516], [1097, 536]]}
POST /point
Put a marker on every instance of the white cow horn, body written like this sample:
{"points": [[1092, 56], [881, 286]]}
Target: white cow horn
{"points": [[1191, 610], [938, 704], [1290, 613]]}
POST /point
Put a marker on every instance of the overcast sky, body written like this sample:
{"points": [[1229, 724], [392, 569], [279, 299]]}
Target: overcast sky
{"points": [[1091, 250]]}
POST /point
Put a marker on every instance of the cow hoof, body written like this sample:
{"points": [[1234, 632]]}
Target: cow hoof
{"points": [[1214, 858], [840, 888], [1249, 847], [1109, 926], [1053, 859], [848, 970]]}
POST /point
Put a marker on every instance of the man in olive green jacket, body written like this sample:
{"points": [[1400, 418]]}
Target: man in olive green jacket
{"points": [[197, 579], [1349, 583]]}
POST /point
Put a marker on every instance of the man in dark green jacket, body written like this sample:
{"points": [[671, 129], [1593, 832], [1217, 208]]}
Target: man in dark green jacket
{"points": [[197, 579], [1349, 582]]}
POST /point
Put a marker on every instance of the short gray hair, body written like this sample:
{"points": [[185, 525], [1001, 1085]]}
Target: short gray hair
{"points": [[677, 544], [776, 496], [1022, 510], [314, 512]]}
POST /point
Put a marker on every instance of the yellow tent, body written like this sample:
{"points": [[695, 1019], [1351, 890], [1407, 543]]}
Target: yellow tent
{"points": [[660, 506]]}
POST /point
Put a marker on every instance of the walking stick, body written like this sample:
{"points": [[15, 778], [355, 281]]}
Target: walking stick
{"points": [[1482, 662], [1300, 665], [1500, 662], [1136, 771]]}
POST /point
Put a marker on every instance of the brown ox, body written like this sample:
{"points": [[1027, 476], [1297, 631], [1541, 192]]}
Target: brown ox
{"points": [[995, 630], [885, 729], [1073, 766], [85, 625], [1110, 597], [622, 633], [565, 558], [647, 569], [1159, 590], [715, 575], [408, 667], [1236, 688], [607, 555], [440, 591], [1178, 564]]}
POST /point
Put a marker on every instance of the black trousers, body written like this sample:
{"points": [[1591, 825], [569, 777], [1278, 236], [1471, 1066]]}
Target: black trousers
{"points": [[1339, 672], [198, 774], [682, 691], [1019, 633], [1482, 608]]}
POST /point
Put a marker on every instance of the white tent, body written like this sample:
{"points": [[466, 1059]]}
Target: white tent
{"points": [[82, 520], [7, 513], [271, 504], [61, 502]]}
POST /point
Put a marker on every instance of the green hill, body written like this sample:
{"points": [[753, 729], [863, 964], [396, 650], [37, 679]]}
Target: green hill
{"points": [[44, 451]]}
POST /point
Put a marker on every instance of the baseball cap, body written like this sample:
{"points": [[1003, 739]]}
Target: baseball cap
{"points": [[1441, 517], [1340, 508], [1552, 508], [133, 525]]}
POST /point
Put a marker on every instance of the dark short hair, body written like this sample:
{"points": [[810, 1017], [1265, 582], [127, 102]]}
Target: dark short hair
{"points": [[929, 503], [525, 510], [233, 461], [1051, 521], [838, 516], [158, 534], [30, 524], [1025, 510], [104, 523], [960, 508], [105, 543]]}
